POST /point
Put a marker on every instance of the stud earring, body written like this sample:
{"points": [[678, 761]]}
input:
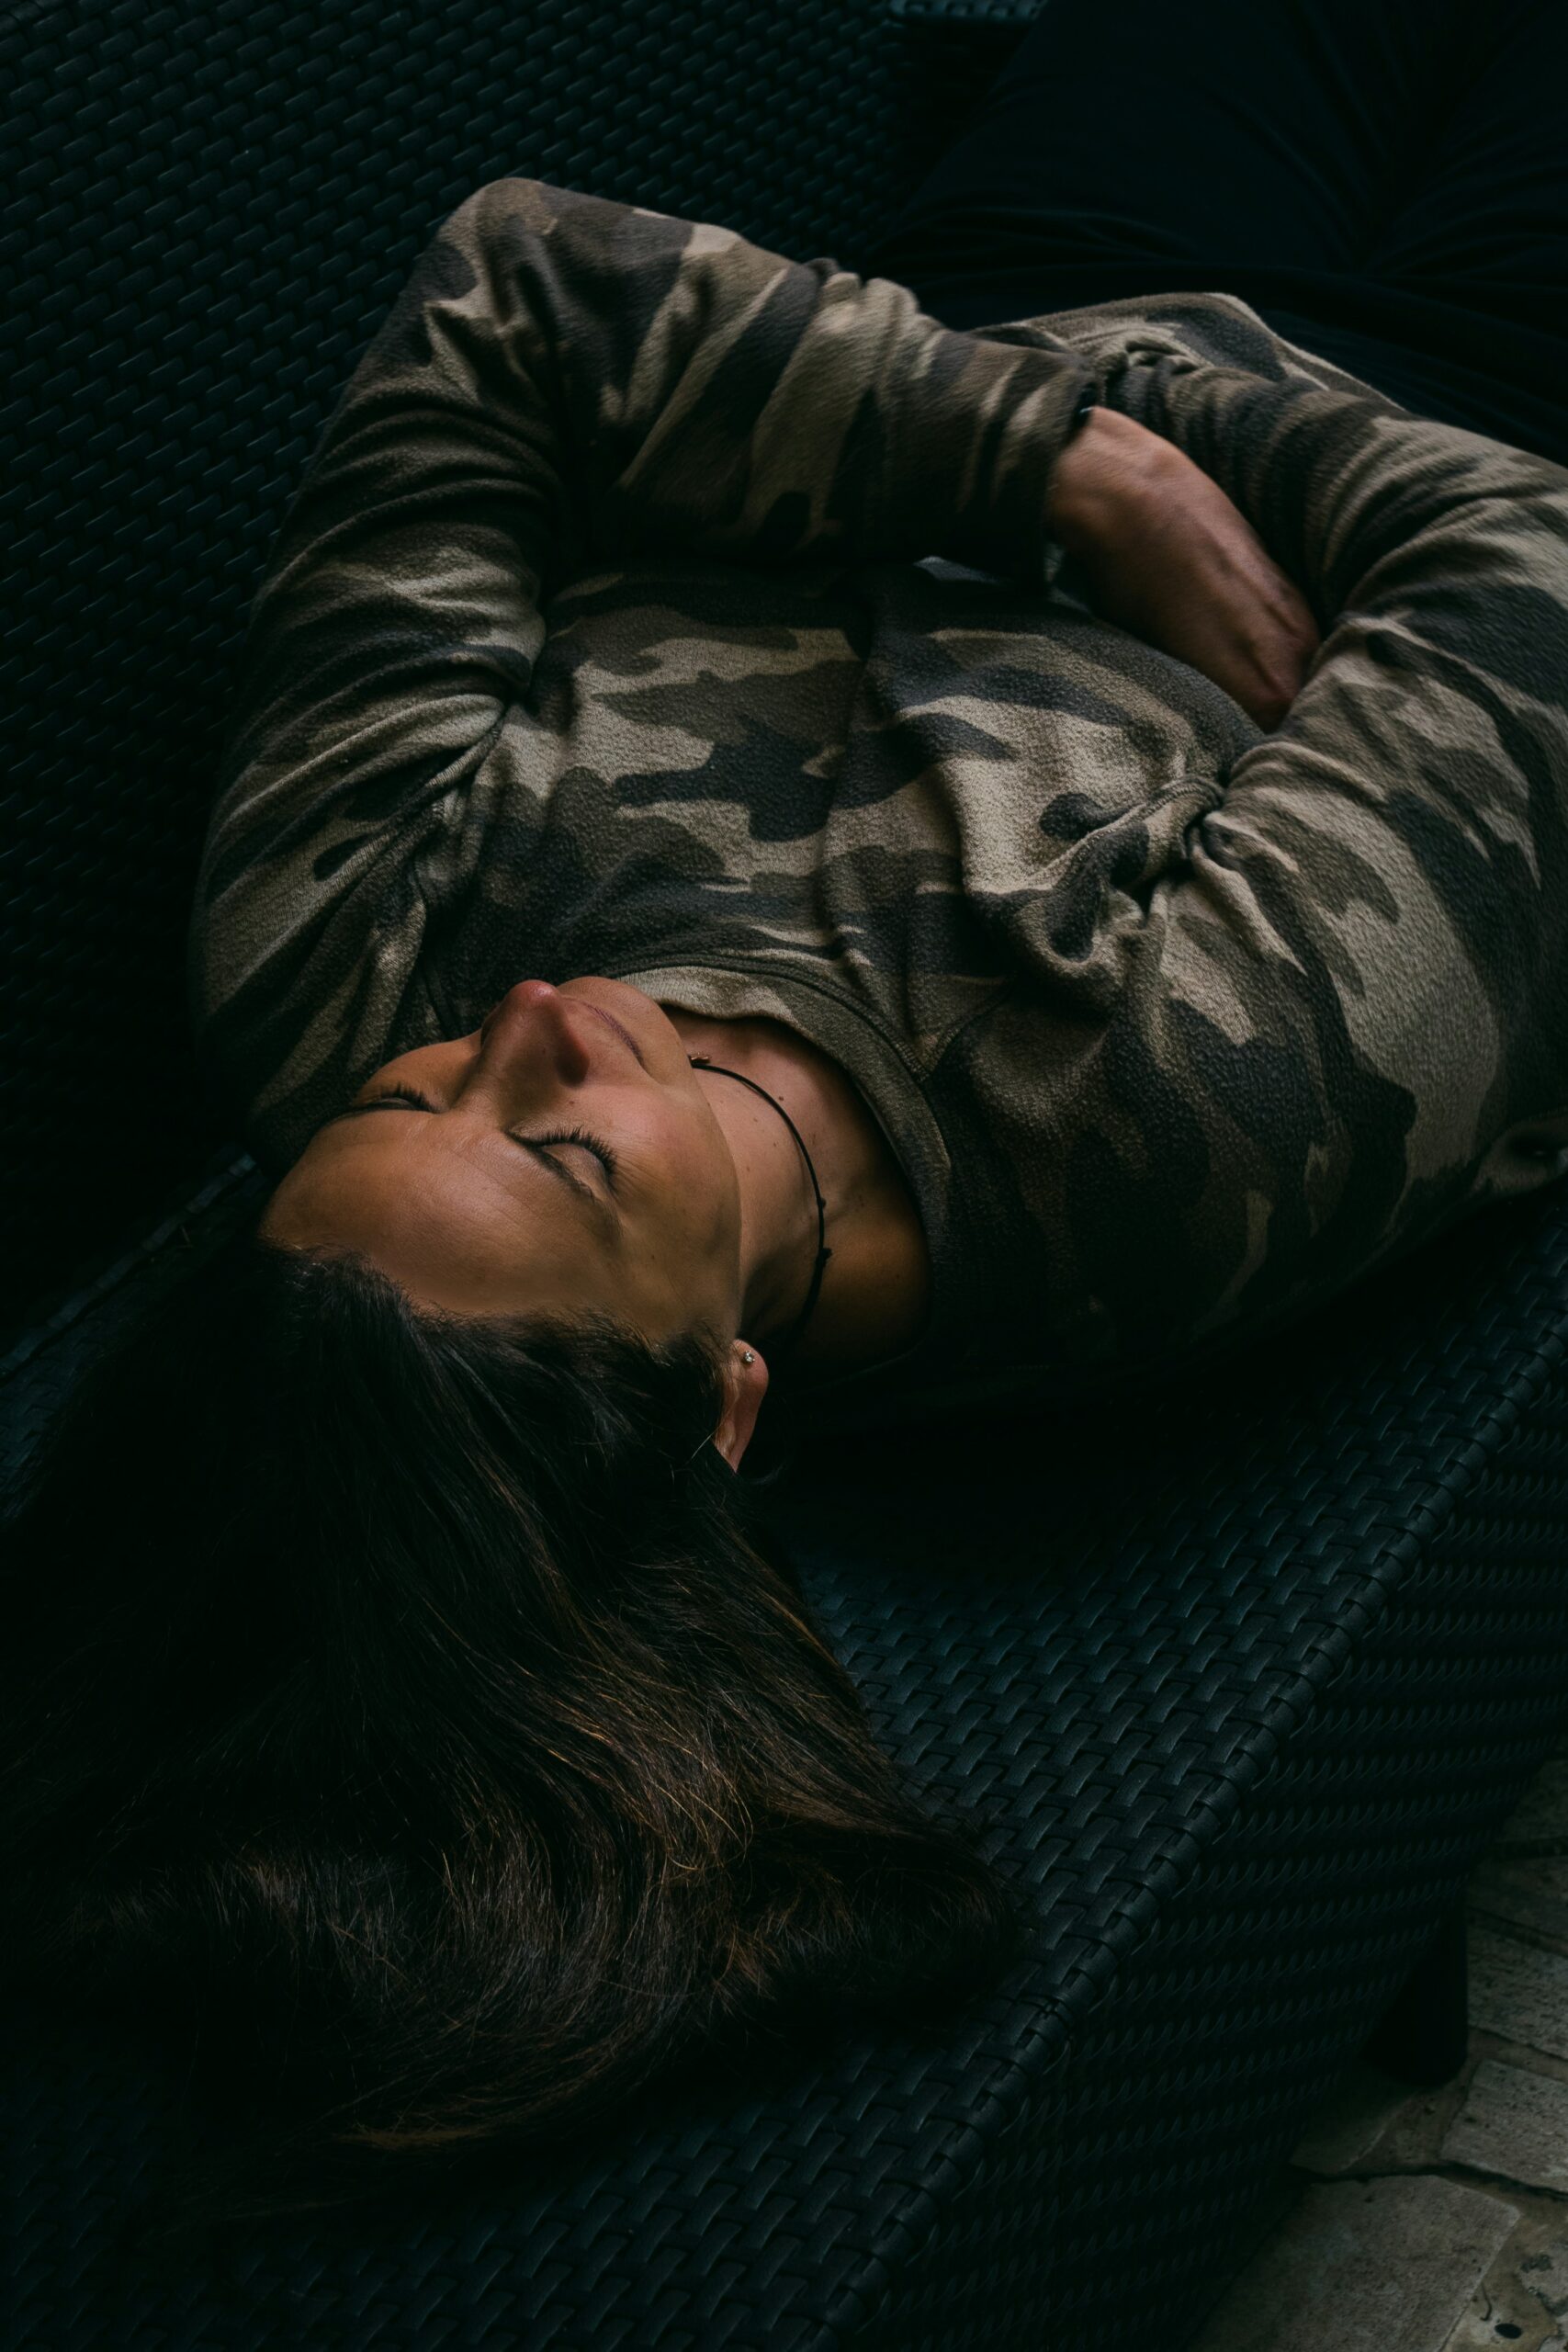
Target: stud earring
{"points": [[746, 1357]]}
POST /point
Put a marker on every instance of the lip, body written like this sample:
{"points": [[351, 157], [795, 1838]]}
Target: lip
{"points": [[611, 1022]]}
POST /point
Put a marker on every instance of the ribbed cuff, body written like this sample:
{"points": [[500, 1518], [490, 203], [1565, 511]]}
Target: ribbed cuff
{"points": [[975, 431]]}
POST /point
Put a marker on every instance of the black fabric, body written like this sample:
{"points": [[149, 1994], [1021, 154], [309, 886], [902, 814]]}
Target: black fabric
{"points": [[1385, 181]]}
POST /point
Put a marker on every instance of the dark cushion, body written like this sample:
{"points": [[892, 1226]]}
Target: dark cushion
{"points": [[1238, 1676]]}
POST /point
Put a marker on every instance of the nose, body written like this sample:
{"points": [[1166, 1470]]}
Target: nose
{"points": [[531, 1028]]}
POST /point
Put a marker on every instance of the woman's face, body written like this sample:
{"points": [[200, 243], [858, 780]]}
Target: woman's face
{"points": [[453, 1170]]}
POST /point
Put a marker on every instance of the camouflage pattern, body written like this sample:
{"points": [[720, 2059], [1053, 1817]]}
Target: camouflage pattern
{"points": [[658, 607]]}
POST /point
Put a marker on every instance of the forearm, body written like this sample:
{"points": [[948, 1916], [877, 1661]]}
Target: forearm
{"points": [[710, 396], [1166, 554], [1352, 498]]}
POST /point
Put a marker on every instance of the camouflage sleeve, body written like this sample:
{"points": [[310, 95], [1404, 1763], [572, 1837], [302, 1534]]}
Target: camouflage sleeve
{"points": [[1361, 982], [563, 381]]}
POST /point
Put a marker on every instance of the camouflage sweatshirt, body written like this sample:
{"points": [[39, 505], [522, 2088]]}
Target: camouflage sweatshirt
{"points": [[659, 607]]}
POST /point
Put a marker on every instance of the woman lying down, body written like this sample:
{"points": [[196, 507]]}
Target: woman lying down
{"points": [[775, 857]]}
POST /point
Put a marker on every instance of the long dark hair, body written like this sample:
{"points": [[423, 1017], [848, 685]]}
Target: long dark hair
{"points": [[416, 1703]]}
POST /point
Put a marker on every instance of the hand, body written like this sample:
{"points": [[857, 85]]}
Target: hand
{"points": [[1166, 554]]}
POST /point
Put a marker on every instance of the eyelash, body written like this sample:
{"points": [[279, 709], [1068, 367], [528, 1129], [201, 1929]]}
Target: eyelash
{"points": [[608, 1159]]}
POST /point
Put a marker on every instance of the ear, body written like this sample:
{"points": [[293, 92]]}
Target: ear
{"points": [[745, 1385]]}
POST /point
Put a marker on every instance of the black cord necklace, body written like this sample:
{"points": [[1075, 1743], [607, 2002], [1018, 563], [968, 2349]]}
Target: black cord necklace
{"points": [[701, 1061]]}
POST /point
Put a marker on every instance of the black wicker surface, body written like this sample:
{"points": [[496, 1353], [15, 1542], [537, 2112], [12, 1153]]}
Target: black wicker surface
{"points": [[1243, 1683]]}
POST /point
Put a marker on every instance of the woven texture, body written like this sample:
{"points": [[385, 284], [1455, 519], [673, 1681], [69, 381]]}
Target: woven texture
{"points": [[208, 208], [1239, 1704]]}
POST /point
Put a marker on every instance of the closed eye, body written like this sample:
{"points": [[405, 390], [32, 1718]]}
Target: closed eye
{"points": [[400, 1095], [602, 1152]]}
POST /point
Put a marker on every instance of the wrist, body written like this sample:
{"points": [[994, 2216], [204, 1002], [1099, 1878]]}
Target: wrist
{"points": [[1105, 466]]}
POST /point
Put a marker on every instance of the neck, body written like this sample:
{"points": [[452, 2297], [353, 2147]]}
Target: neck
{"points": [[872, 1298], [774, 1176]]}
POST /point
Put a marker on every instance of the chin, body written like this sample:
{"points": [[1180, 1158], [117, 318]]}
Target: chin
{"points": [[657, 1040]]}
